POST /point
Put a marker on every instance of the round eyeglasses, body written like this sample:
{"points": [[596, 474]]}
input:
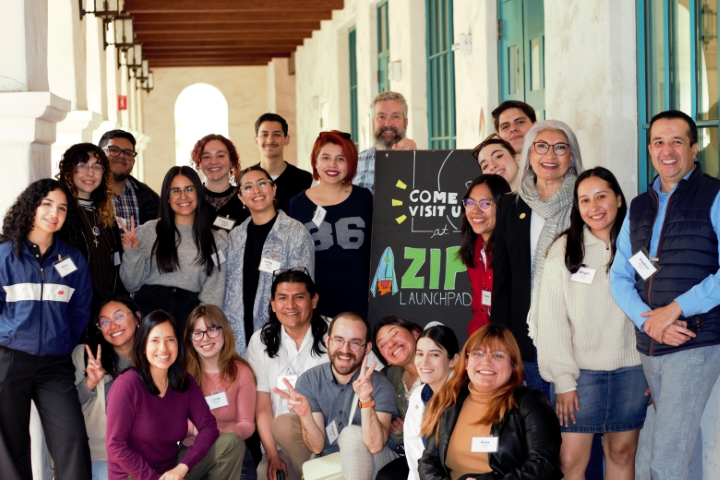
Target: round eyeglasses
{"points": [[483, 205], [560, 149], [212, 332]]}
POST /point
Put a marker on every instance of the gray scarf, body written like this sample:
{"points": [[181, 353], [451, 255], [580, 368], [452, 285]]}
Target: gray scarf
{"points": [[556, 212]]}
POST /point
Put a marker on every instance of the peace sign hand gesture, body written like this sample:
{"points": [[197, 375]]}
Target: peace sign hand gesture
{"points": [[363, 386], [94, 370], [297, 402], [129, 238]]}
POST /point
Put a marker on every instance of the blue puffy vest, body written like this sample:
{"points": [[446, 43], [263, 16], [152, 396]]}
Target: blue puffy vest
{"points": [[687, 254]]}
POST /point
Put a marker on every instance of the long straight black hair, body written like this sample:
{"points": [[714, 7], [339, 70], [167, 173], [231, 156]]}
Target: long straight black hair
{"points": [[498, 187], [177, 373], [168, 237], [575, 249]]}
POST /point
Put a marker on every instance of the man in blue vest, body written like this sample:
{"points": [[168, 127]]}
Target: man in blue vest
{"points": [[665, 277]]}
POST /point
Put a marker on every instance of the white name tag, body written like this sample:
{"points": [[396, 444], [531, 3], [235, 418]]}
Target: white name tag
{"points": [[116, 259], [486, 298], [642, 265], [268, 265], [215, 258], [319, 216], [331, 432], [216, 401], [484, 445], [66, 267], [225, 223], [290, 378], [583, 275]]}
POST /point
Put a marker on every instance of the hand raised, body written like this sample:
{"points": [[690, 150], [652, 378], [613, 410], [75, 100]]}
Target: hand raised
{"points": [[363, 386], [405, 144], [129, 238], [297, 402], [94, 370]]}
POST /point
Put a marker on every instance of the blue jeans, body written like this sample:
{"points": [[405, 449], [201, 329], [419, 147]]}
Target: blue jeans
{"points": [[100, 470], [533, 378], [680, 384]]}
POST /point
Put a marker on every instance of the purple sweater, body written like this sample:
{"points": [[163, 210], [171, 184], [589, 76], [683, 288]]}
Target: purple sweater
{"points": [[143, 430]]}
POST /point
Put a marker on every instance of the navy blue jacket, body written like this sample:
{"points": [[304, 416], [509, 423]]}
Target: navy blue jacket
{"points": [[42, 313], [687, 254]]}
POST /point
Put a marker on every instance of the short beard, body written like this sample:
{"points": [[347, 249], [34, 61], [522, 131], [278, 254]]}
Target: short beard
{"points": [[350, 369], [120, 177], [380, 143]]}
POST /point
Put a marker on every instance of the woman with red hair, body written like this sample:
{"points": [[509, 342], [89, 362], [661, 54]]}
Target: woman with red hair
{"points": [[338, 215], [216, 157]]}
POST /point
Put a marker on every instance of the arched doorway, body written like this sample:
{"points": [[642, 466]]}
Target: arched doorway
{"points": [[200, 109]]}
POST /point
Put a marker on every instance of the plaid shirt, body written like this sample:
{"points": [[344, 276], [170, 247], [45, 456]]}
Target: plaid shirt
{"points": [[126, 204], [365, 176]]}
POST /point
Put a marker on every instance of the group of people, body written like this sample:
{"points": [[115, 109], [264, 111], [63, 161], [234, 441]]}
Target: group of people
{"points": [[220, 329]]}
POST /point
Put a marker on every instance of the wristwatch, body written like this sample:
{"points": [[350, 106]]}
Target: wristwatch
{"points": [[368, 404]]}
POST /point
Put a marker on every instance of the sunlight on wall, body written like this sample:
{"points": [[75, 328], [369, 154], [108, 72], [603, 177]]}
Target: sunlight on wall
{"points": [[200, 109]]}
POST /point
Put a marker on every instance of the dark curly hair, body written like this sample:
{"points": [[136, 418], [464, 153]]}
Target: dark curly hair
{"points": [[199, 147], [102, 197], [20, 218]]}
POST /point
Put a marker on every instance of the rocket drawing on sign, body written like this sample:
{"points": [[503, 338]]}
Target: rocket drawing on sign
{"points": [[385, 281]]}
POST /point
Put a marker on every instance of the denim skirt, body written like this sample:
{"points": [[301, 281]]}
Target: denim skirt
{"points": [[610, 401]]}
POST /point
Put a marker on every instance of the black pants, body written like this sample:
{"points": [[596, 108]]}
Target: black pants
{"points": [[176, 301], [49, 380]]}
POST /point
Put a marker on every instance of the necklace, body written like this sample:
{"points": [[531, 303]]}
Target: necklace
{"points": [[95, 229]]}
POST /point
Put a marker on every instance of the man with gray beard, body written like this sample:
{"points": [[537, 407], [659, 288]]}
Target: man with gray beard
{"points": [[389, 111]]}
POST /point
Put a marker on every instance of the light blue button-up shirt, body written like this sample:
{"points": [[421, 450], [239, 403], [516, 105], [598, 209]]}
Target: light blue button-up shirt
{"points": [[701, 298]]}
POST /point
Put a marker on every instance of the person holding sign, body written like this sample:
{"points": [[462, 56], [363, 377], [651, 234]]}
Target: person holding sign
{"points": [[219, 161], [44, 307], [497, 156], [342, 406], [527, 223], [85, 170], [338, 214], [585, 342], [484, 424], [176, 262], [98, 363], [666, 278], [266, 242], [225, 378], [478, 224], [148, 410]]}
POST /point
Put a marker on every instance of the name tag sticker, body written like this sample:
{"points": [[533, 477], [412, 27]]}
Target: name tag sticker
{"points": [[218, 400], [65, 267], [290, 378], [486, 298], [215, 258], [332, 432], [583, 275], [226, 223], [484, 445], [116, 259], [319, 216], [642, 265], [268, 265]]}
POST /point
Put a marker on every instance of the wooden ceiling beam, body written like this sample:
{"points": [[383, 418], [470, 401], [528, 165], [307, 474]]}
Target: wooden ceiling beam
{"points": [[219, 43], [159, 50], [220, 26], [239, 35], [154, 56], [140, 19], [278, 6], [211, 63]]}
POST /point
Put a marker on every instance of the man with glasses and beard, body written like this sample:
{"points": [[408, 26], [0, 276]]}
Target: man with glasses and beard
{"points": [[342, 406], [389, 112], [132, 197]]}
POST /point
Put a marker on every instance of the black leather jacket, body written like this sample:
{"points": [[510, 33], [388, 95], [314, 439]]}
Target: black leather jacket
{"points": [[528, 448]]}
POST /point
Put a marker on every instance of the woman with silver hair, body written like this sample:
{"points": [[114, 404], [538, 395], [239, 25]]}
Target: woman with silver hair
{"points": [[527, 223]]}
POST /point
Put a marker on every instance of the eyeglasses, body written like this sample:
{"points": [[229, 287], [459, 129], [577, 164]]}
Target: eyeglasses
{"points": [[346, 136], [484, 205], [120, 319], [189, 191], [96, 168], [212, 332], [339, 342], [262, 184], [494, 356], [560, 149], [476, 151], [116, 151], [280, 271]]}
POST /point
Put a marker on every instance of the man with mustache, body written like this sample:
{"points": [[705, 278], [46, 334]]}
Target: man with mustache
{"points": [[132, 197], [389, 111], [341, 406], [271, 137], [666, 277]]}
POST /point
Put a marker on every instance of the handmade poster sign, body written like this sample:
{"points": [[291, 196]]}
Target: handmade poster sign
{"points": [[418, 212]]}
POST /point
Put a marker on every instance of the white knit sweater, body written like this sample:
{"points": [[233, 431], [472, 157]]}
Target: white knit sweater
{"points": [[579, 325]]}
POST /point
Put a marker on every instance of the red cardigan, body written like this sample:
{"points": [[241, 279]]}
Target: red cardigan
{"points": [[481, 278]]}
